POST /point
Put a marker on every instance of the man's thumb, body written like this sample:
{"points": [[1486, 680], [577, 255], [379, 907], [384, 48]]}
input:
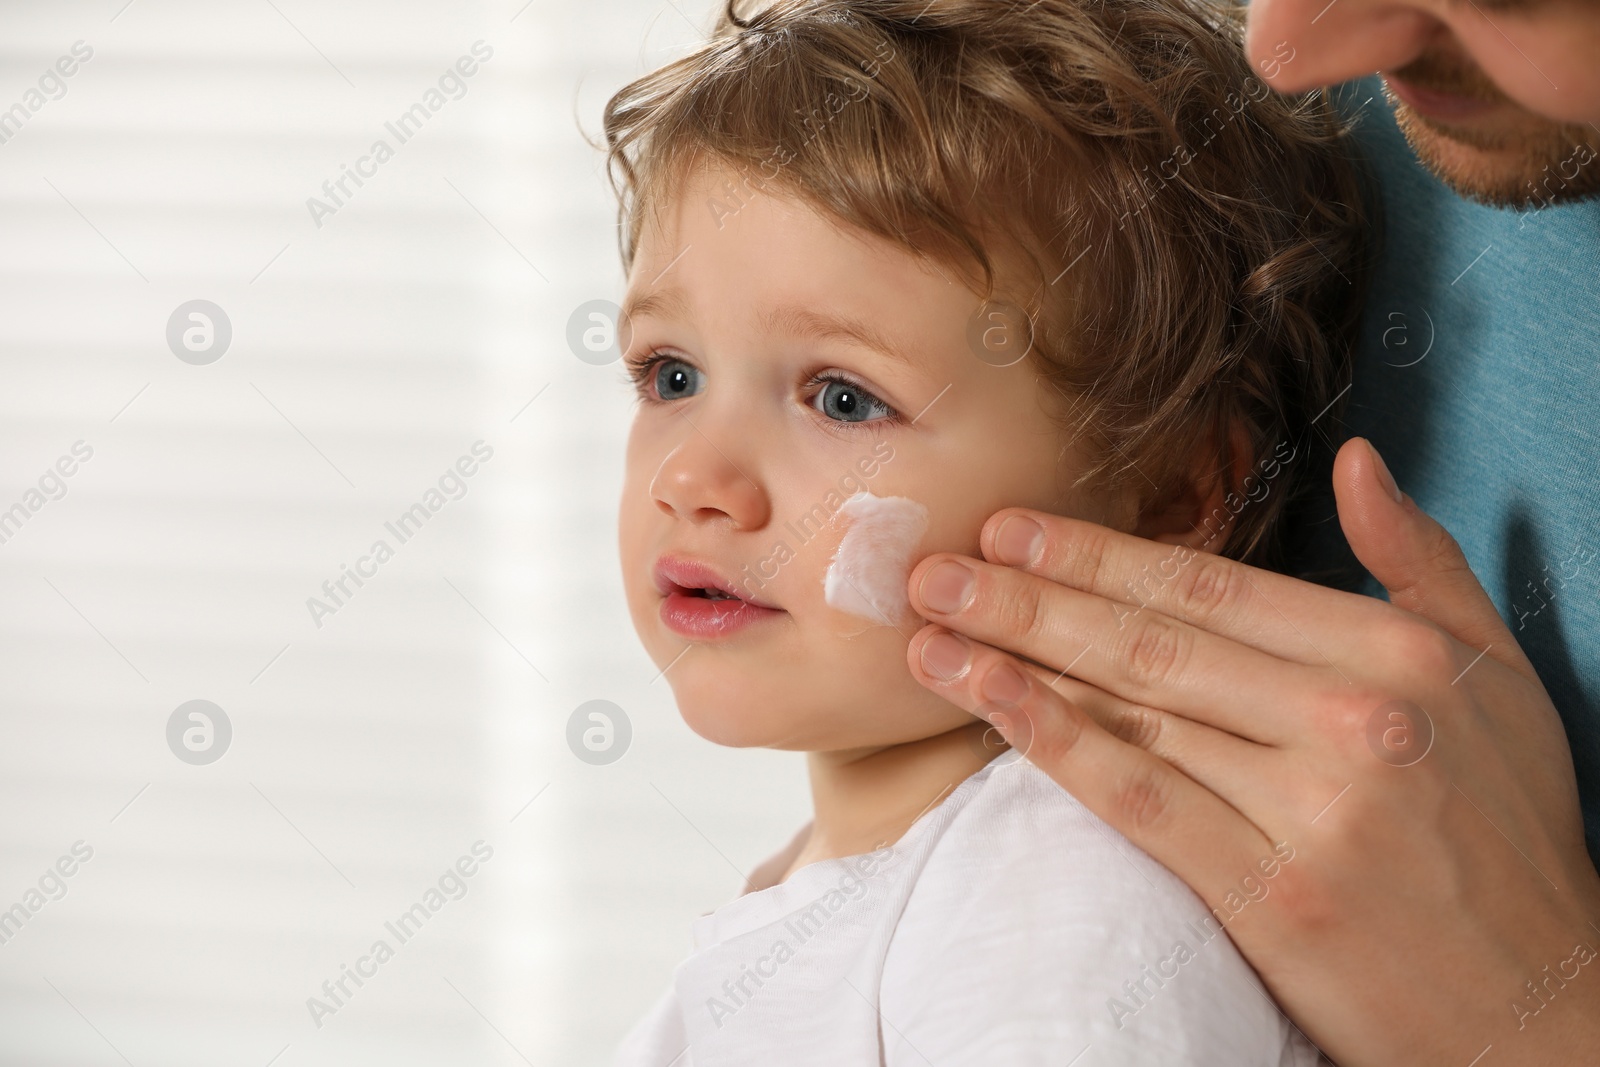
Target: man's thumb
{"points": [[1414, 557]]}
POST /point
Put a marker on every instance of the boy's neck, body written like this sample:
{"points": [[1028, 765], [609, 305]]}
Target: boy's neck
{"points": [[868, 798]]}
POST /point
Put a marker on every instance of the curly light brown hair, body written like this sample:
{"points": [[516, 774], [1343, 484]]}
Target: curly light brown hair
{"points": [[1187, 244]]}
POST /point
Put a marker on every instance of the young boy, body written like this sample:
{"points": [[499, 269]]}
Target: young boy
{"points": [[894, 266]]}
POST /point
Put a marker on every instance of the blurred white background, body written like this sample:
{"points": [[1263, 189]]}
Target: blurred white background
{"points": [[423, 715]]}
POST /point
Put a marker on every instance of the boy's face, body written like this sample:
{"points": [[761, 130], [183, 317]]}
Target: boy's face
{"points": [[762, 408]]}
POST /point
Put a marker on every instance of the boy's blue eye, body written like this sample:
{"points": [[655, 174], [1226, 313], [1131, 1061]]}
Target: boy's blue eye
{"points": [[845, 402], [676, 379]]}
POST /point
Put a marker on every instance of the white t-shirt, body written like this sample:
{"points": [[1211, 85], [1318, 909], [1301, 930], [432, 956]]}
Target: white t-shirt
{"points": [[1009, 926]]}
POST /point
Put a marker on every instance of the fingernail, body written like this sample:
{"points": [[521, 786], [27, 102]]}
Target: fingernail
{"points": [[1385, 479], [1004, 684], [947, 588], [1019, 541], [945, 655]]}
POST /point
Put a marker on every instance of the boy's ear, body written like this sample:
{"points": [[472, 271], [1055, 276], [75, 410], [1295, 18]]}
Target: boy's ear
{"points": [[1194, 514]]}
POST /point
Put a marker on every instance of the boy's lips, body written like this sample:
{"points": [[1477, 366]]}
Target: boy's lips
{"points": [[700, 604]]}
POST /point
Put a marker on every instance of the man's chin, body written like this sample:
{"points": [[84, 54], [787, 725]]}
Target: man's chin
{"points": [[1531, 165]]}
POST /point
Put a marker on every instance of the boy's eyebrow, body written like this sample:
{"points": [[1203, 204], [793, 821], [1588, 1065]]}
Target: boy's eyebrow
{"points": [[791, 319], [804, 322], [665, 302]]}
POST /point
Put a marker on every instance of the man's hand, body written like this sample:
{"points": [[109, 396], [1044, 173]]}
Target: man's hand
{"points": [[1437, 904]]}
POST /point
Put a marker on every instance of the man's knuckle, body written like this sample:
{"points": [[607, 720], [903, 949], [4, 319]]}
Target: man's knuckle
{"points": [[1207, 588], [1351, 715], [1081, 555], [1420, 649], [1443, 552], [1440, 555], [1153, 652], [1050, 739], [1027, 605], [1052, 743], [1307, 899], [1143, 800], [1137, 725], [1343, 714]]}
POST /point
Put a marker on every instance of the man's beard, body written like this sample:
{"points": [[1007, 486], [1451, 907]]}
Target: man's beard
{"points": [[1538, 163]]}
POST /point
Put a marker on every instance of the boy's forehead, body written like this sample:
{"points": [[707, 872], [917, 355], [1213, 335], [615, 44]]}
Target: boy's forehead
{"points": [[723, 203], [701, 237]]}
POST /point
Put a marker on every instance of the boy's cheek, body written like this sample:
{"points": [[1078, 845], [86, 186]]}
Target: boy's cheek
{"points": [[939, 515], [634, 543], [630, 540]]}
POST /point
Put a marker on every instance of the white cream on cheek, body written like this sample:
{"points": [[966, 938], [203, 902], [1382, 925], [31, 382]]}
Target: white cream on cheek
{"points": [[868, 574]]}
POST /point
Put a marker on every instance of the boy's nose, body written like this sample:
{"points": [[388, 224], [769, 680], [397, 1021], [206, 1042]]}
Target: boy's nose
{"points": [[700, 482]]}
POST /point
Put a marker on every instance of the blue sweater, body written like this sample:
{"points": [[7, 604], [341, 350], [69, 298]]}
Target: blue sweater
{"points": [[1477, 375]]}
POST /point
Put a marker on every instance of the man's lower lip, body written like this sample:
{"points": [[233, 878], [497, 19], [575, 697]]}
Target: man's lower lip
{"points": [[704, 619], [1441, 107]]}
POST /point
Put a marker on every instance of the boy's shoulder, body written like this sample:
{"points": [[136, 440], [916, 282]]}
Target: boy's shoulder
{"points": [[1033, 925], [1014, 827]]}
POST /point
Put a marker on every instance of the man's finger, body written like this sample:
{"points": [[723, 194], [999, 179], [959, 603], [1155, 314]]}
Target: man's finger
{"points": [[1239, 771], [1195, 833], [1414, 557], [1208, 591], [1142, 656]]}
